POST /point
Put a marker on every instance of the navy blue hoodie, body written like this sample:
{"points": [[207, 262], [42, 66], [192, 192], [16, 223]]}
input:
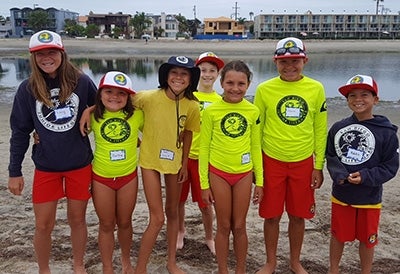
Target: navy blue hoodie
{"points": [[370, 147], [61, 146]]}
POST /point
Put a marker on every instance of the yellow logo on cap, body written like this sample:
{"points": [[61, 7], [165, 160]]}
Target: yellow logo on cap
{"points": [[357, 80], [45, 37], [289, 44], [120, 79]]}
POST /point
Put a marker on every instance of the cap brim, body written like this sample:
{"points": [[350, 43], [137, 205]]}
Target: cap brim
{"points": [[45, 47], [290, 56], [345, 90], [124, 89], [218, 62]]}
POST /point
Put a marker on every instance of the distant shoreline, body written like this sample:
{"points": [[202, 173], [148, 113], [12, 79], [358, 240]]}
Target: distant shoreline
{"points": [[165, 47]]}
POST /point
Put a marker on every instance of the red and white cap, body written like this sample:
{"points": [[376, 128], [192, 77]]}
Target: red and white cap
{"points": [[117, 79], [359, 82], [290, 47], [45, 39], [210, 57]]}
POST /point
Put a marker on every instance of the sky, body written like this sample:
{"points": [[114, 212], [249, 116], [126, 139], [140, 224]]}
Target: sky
{"points": [[208, 8]]}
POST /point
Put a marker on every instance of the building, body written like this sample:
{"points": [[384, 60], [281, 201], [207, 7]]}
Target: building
{"points": [[165, 22], [223, 26], [107, 23], [327, 26], [19, 20]]}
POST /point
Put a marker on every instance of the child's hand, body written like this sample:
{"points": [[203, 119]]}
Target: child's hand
{"points": [[354, 178], [258, 195], [206, 195]]}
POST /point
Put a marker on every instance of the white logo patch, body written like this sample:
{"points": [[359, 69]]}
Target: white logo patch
{"points": [[354, 144]]}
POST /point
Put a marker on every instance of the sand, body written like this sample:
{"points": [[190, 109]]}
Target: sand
{"points": [[17, 218]]}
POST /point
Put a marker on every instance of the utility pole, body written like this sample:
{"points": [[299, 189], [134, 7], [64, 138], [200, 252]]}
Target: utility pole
{"points": [[378, 20], [236, 8], [194, 12]]}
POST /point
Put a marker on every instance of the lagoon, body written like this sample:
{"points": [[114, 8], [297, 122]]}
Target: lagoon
{"points": [[332, 70]]}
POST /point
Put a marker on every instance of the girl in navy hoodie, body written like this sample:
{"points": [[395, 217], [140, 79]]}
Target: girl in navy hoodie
{"points": [[50, 102], [362, 154]]}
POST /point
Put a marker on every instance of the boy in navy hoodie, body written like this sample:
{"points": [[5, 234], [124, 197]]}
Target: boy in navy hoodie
{"points": [[362, 154]]}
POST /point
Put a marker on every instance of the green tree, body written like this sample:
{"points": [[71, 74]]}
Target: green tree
{"points": [[158, 31], [117, 31], [38, 20], [241, 20], [183, 25], [73, 29], [92, 30], [140, 22]]}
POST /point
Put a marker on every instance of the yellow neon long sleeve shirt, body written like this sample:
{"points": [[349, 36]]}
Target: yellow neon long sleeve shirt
{"points": [[205, 99], [230, 140], [293, 119]]}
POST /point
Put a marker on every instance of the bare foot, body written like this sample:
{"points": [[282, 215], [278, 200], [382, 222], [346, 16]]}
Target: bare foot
{"points": [[297, 269], [211, 246], [79, 270], [267, 269], [180, 241], [174, 269], [127, 269]]}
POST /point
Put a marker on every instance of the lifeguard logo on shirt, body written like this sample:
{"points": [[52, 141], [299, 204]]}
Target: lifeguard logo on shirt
{"points": [[60, 117], [292, 110], [354, 144], [115, 130], [233, 124], [373, 238]]}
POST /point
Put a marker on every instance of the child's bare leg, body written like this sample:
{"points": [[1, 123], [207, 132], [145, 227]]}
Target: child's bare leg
{"points": [[271, 236], [173, 192], [296, 236], [207, 216], [366, 258], [335, 254]]}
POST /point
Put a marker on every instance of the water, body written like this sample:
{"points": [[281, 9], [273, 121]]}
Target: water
{"points": [[332, 70]]}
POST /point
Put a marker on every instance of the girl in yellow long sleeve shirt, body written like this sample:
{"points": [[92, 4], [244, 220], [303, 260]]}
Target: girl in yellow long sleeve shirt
{"points": [[229, 152]]}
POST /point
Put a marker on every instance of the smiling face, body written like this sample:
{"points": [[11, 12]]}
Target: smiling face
{"points": [[113, 99], [48, 60], [361, 102], [178, 80], [208, 76], [235, 84], [290, 69]]}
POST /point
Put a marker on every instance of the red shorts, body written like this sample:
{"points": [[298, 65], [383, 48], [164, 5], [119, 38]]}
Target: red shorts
{"points": [[349, 223], [51, 186], [192, 183], [287, 186], [117, 182], [230, 178]]}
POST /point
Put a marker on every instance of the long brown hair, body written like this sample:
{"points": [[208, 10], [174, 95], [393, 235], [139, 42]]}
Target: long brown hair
{"points": [[68, 74]]}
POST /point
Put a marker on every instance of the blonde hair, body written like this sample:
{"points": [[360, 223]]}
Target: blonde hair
{"points": [[67, 72]]}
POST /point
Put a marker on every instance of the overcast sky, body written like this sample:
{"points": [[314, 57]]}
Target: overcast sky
{"points": [[207, 8]]}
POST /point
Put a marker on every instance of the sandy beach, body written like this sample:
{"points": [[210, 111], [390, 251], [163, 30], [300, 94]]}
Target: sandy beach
{"points": [[17, 217]]}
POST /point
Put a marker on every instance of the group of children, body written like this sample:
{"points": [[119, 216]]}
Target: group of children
{"points": [[192, 138]]}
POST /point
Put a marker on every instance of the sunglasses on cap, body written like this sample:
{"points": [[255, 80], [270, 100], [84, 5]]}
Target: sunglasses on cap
{"points": [[291, 50]]}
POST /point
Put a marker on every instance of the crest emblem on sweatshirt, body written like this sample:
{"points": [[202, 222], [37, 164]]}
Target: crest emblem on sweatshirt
{"points": [[62, 116], [292, 110], [354, 144], [233, 124]]}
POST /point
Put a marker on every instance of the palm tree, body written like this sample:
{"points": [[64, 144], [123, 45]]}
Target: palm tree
{"points": [[251, 14]]}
